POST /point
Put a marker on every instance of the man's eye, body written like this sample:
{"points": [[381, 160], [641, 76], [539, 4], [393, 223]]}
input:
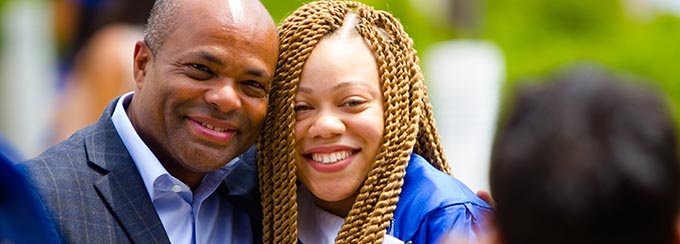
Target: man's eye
{"points": [[200, 72], [254, 84], [254, 88], [201, 67]]}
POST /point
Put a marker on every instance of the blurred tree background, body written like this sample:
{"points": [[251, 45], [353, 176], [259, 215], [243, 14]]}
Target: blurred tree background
{"points": [[538, 36], [535, 37], [2, 11], [416, 22]]}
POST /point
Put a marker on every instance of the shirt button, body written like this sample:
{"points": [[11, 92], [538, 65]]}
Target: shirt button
{"points": [[176, 188]]}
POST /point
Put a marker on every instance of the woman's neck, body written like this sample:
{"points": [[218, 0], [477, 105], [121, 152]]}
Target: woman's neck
{"points": [[340, 208]]}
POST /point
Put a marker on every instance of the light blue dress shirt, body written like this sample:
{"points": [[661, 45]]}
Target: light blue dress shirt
{"points": [[201, 216]]}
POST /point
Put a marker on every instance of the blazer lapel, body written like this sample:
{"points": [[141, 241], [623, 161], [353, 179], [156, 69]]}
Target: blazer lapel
{"points": [[122, 188]]}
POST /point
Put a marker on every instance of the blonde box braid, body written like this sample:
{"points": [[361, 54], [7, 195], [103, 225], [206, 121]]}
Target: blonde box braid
{"points": [[409, 123]]}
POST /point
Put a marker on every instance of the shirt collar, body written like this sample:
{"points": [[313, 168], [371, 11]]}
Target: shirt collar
{"points": [[156, 178]]}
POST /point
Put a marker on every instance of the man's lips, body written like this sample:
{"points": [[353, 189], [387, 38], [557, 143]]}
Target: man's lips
{"points": [[213, 130], [212, 127]]}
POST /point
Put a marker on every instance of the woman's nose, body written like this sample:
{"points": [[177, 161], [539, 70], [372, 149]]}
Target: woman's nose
{"points": [[326, 125]]}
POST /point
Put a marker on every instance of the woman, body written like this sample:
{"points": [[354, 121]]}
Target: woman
{"points": [[350, 151]]}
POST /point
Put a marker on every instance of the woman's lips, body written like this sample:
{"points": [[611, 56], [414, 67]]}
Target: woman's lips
{"points": [[331, 161]]}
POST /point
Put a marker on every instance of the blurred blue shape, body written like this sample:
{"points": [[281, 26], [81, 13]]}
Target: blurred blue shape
{"points": [[8, 151], [22, 217]]}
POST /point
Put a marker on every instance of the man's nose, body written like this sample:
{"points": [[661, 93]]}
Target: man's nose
{"points": [[225, 97]]}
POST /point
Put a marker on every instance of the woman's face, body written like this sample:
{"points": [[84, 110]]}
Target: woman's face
{"points": [[339, 113]]}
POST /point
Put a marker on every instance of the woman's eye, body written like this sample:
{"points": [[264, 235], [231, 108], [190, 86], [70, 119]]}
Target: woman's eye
{"points": [[352, 103], [302, 107]]}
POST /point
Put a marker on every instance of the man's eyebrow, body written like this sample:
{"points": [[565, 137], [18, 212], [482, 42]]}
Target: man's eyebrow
{"points": [[214, 59], [210, 58], [259, 73]]}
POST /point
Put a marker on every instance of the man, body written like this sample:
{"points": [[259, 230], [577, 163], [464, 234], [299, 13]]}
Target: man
{"points": [[162, 165]]}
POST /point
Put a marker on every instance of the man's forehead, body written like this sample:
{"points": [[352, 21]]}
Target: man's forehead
{"points": [[237, 13], [236, 10]]}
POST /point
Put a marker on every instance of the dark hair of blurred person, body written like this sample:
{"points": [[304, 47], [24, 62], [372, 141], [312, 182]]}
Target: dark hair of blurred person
{"points": [[586, 158]]}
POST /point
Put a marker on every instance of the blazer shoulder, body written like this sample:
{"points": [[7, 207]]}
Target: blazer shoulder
{"points": [[71, 149], [74, 152]]}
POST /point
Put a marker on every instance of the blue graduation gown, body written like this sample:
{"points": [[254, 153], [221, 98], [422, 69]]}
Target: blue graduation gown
{"points": [[433, 205]]}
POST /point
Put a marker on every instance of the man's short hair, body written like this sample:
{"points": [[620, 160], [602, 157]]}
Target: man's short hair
{"points": [[161, 23]]}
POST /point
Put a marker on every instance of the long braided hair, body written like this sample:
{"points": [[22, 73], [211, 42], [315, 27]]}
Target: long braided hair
{"points": [[409, 122]]}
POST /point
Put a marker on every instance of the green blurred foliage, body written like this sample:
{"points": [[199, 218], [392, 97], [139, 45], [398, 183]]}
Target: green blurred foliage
{"points": [[2, 6], [419, 27], [2, 17], [537, 36]]}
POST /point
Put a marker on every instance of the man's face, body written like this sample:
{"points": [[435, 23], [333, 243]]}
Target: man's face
{"points": [[201, 99]]}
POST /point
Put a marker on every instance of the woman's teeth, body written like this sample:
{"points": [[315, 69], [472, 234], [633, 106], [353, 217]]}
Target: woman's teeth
{"points": [[329, 158]]}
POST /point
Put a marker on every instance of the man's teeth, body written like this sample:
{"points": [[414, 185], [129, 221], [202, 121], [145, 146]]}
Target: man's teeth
{"points": [[209, 126], [328, 158]]}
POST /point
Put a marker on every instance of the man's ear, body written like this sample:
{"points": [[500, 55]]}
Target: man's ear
{"points": [[142, 58]]}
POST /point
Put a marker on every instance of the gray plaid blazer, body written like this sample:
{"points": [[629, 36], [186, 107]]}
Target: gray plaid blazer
{"points": [[94, 193]]}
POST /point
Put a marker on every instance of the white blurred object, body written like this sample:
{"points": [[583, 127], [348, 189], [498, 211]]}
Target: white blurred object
{"points": [[670, 6], [646, 9], [27, 76], [464, 79]]}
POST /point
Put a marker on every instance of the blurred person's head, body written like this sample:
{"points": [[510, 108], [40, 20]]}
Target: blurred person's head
{"points": [[79, 21], [202, 79], [586, 158], [134, 12]]}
